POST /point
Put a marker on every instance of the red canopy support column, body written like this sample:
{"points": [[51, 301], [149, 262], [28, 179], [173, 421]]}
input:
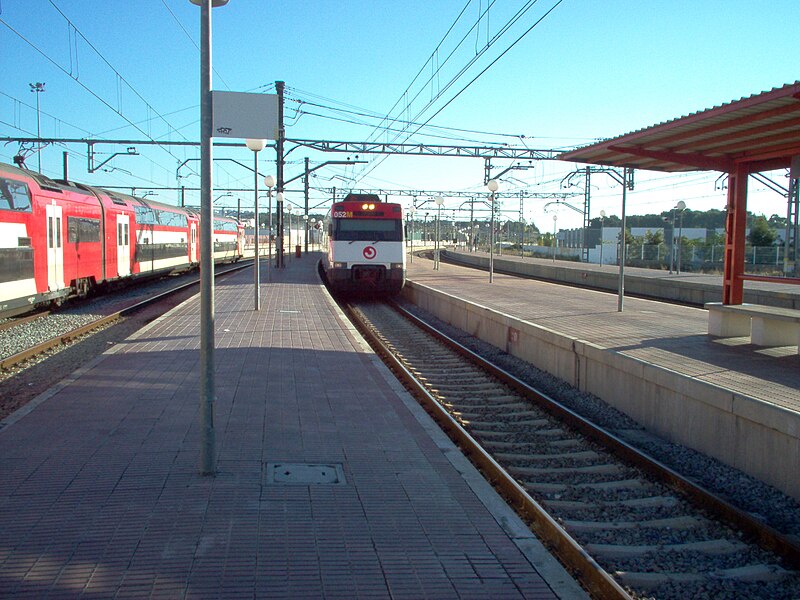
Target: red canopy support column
{"points": [[735, 236]]}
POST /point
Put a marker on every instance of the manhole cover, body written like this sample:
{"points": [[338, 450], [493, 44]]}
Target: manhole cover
{"points": [[305, 474]]}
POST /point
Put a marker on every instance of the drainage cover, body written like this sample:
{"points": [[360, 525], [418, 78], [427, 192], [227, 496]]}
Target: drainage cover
{"points": [[305, 474]]}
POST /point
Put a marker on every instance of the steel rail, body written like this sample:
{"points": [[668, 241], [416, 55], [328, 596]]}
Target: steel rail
{"points": [[599, 583], [65, 338], [14, 321], [759, 532]]}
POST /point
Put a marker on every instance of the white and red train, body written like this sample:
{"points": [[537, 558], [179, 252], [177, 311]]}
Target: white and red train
{"points": [[366, 246], [60, 239]]}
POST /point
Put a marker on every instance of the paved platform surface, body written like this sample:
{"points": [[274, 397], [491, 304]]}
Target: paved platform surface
{"points": [[668, 335], [100, 494]]}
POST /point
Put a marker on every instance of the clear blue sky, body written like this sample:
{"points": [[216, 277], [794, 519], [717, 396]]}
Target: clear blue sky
{"points": [[589, 70]]}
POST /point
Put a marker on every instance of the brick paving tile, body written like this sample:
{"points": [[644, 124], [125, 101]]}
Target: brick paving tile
{"points": [[113, 506]]}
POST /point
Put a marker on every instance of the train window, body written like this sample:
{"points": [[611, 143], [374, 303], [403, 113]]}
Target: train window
{"points": [[58, 232], [372, 230], [171, 219], [224, 225], [80, 229], [126, 233], [14, 195], [145, 215], [50, 232]]}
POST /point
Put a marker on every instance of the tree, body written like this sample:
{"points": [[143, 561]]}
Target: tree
{"points": [[760, 233], [654, 238]]}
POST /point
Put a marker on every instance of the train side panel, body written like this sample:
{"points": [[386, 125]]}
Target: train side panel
{"points": [[59, 238]]}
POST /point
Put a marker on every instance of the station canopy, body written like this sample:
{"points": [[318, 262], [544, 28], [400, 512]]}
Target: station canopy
{"points": [[761, 132]]}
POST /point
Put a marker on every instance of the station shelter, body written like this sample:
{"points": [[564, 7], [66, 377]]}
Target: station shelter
{"points": [[752, 135]]}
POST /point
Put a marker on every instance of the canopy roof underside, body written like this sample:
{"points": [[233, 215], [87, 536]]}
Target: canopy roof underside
{"points": [[762, 131]]}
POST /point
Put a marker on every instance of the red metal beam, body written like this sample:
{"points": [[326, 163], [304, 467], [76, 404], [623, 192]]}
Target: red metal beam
{"points": [[698, 161], [735, 228]]}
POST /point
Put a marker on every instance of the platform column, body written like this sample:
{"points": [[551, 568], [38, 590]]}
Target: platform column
{"points": [[735, 233]]}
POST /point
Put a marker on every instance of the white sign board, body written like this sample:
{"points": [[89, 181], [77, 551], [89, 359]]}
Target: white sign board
{"points": [[244, 116]]}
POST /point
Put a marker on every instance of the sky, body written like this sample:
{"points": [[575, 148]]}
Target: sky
{"points": [[546, 75]]}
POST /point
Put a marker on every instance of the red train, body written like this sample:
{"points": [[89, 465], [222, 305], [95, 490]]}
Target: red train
{"points": [[60, 239]]}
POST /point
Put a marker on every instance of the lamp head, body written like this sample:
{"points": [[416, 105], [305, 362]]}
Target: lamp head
{"points": [[439, 200], [214, 3], [269, 181], [680, 205], [492, 185], [255, 145]]}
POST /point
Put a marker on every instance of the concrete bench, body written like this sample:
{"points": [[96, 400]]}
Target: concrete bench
{"points": [[765, 325]]}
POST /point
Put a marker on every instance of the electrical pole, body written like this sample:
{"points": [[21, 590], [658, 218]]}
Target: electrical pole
{"points": [[279, 87]]}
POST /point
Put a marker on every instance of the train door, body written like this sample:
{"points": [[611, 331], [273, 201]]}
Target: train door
{"points": [[193, 244], [55, 249], [123, 246]]}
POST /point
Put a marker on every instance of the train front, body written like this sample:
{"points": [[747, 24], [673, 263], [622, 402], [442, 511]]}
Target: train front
{"points": [[366, 247]]}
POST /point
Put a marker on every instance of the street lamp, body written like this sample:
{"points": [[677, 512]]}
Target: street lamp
{"points": [[313, 222], [38, 88], [555, 241], [256, 146], [411, 218], [269, 181], [289, 211], [492, 186], [439, 201], [680, 206], [207, 435], [305, 227], [602, 216]]}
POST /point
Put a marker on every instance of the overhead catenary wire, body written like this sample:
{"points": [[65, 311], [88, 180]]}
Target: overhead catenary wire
{"points": [[493, 40]]}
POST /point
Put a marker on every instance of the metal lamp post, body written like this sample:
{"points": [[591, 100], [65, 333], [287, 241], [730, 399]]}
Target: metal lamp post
{"points": [[207, 435], [492, 185], [555, 240], [289, 212], [602, 217], [439, 201], [680, 206], [256, 146], [269, 181], [411, 218], [305, 227]]}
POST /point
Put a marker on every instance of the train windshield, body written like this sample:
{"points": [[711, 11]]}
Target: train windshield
{"points": [[368, 230]]}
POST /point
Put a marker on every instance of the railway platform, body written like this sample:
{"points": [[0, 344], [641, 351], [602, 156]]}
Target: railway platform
{"points": [[331, 481], [654, 360]]}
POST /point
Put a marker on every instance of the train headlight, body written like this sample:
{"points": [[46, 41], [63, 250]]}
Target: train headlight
{"points": [[340, 265], [396, 265]]}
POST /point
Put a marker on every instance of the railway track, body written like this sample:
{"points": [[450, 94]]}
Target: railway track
{"points": [[35, 343], [625, 524]]}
